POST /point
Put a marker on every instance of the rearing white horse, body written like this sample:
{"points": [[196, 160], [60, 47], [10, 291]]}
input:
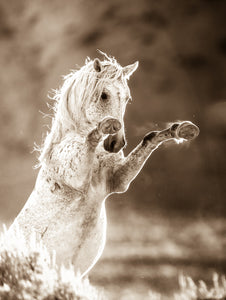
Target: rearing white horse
{"points": [[82, 162]]}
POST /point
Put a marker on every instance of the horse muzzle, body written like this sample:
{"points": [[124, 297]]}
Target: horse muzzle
{"points": [[115, 142]]}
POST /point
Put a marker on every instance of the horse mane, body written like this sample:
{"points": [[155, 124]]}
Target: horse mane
{"points": [[87, 83]]}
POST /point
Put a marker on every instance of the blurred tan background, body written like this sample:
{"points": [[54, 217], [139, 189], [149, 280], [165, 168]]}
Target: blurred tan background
{"points": [[172, 219]]}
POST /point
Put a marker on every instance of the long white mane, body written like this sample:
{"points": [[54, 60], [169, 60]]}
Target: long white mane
{"points": [[80, 86]]}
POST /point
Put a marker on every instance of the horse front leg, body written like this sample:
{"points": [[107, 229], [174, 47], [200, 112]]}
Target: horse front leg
{"points": [[107, 126], [77, 170], [83, 164], [129, 168]]}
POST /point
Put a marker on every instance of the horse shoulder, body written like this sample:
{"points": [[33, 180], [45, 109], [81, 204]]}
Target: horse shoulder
{"points": [[67, 157]]}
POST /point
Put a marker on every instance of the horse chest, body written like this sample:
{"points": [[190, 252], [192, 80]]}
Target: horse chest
{"points": [[103, 163]]}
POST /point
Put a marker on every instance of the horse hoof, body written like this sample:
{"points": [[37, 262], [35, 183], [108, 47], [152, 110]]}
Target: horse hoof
{"points": [[110, 126], [187, 130]]}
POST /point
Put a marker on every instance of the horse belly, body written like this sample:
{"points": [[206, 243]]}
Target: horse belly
{"points": [[91, 246], [78, 239]]}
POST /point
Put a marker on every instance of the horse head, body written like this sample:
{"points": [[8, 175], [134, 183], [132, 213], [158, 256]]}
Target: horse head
{"points": [[97, 90], [114, 96]]}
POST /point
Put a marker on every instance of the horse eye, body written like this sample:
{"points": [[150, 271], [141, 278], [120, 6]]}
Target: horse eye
{"points": [[104, 96]]}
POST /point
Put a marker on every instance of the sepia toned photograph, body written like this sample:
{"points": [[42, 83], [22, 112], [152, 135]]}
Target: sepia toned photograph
{"points": [[112, 152]]}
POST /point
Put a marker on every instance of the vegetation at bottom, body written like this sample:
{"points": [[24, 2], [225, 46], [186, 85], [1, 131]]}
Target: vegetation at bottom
{"points": [[30, 272]]}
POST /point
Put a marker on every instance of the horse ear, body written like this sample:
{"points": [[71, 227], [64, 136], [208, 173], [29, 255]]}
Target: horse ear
{"points": [[97, 65], [128, 70]]}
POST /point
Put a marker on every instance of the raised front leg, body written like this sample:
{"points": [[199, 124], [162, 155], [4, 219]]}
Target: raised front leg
{"points": [[72, 162], [129, 168], [86, 156], [107, 126]]}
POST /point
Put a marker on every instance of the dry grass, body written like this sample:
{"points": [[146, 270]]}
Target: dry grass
{"points": [[28, 273], [191, 291]]}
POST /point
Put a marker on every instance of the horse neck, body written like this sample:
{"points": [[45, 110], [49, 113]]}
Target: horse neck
{"points": [[80, 129]]}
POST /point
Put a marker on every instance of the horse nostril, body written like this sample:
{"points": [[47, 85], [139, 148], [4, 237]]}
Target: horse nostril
{"points": [[112, 145]]}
